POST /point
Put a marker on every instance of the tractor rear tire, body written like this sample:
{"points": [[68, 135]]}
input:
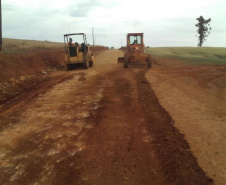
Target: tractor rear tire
{"points": [[149, 61], [85, 63], [90, 63], [126, 61], [69, 67]]}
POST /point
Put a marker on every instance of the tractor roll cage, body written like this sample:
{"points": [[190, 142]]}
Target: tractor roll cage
{"points": [[67, 36]]}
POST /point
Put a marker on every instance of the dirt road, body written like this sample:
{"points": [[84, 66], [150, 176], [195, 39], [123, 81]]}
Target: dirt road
{"points": [[98, 126]]}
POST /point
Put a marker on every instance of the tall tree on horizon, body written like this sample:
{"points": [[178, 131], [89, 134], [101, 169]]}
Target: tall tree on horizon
{"points": [[0, 25], [203, 29]]}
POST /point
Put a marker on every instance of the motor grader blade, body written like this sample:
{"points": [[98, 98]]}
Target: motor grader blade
{"points": [[121, 60]]}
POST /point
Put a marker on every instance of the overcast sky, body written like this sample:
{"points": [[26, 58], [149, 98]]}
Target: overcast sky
{"points": [[163, 22]]}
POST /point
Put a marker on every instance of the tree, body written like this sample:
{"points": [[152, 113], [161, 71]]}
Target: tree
{"points": [[203, 29], [0, 25]]}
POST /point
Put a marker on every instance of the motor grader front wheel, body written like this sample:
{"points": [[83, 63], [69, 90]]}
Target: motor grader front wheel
{"points": [[149, 64], [126, 61]]}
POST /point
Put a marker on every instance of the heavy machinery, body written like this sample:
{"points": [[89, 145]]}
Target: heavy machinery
{"points": [[134, 52], [77, 54]]}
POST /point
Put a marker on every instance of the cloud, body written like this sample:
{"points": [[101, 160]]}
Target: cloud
{"points": [[131, 23], [8, 7], [164, 23], [82, 9]]}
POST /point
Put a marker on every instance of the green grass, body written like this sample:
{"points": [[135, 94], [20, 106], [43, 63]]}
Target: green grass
{"points": [[192, 55]]}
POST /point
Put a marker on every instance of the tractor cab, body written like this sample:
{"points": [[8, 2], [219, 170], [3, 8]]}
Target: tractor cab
{"points": [[135, 40]]}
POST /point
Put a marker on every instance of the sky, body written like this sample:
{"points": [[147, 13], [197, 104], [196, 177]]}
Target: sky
{"points": [[164, 23]]}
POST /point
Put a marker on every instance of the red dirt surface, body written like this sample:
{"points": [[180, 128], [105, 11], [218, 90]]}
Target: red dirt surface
{"points": [[195, 98], [103, 125]]}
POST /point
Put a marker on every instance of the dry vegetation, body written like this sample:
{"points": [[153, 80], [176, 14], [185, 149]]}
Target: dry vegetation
{"points": [[26, 46], [23, 46]]}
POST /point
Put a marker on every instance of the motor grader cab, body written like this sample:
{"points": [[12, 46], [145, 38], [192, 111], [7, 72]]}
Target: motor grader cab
{"points": [[134, 53], [77, 54]]}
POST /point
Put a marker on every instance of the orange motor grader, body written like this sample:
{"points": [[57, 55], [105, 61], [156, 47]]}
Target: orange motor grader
{"points": [[134, 53]]}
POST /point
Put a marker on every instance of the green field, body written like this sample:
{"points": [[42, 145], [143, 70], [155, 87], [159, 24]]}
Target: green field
{"points": [[192, 55]]}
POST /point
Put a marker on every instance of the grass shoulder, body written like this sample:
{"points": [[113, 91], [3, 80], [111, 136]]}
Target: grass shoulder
{"points": [[192, 55], [26, 46]]}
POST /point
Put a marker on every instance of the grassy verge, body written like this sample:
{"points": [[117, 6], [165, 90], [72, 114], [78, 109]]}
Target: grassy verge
{"points": [[24, 46], [192, 55]]}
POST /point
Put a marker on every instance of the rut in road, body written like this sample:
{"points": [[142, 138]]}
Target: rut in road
{"points": [[119, 147], [100, 126]]}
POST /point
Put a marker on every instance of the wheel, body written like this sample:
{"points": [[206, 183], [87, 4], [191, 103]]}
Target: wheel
{"points": [[90, 63], [126, 61], [68, 66], [149, 61], [85, 63]]}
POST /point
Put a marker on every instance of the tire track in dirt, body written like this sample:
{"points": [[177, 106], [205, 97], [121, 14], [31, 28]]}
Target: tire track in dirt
{"points": [[42, 146], [119, 148], [18, 103]]}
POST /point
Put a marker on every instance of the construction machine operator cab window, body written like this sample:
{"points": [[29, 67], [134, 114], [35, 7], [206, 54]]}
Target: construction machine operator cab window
{"points": [[135, 39]]}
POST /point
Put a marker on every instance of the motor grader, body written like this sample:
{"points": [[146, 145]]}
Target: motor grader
{"points": [[134, 53], [76, 54]]}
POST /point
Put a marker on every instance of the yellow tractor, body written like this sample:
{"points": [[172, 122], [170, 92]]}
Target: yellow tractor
{"points": [[134, 53], [76, 54]]}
